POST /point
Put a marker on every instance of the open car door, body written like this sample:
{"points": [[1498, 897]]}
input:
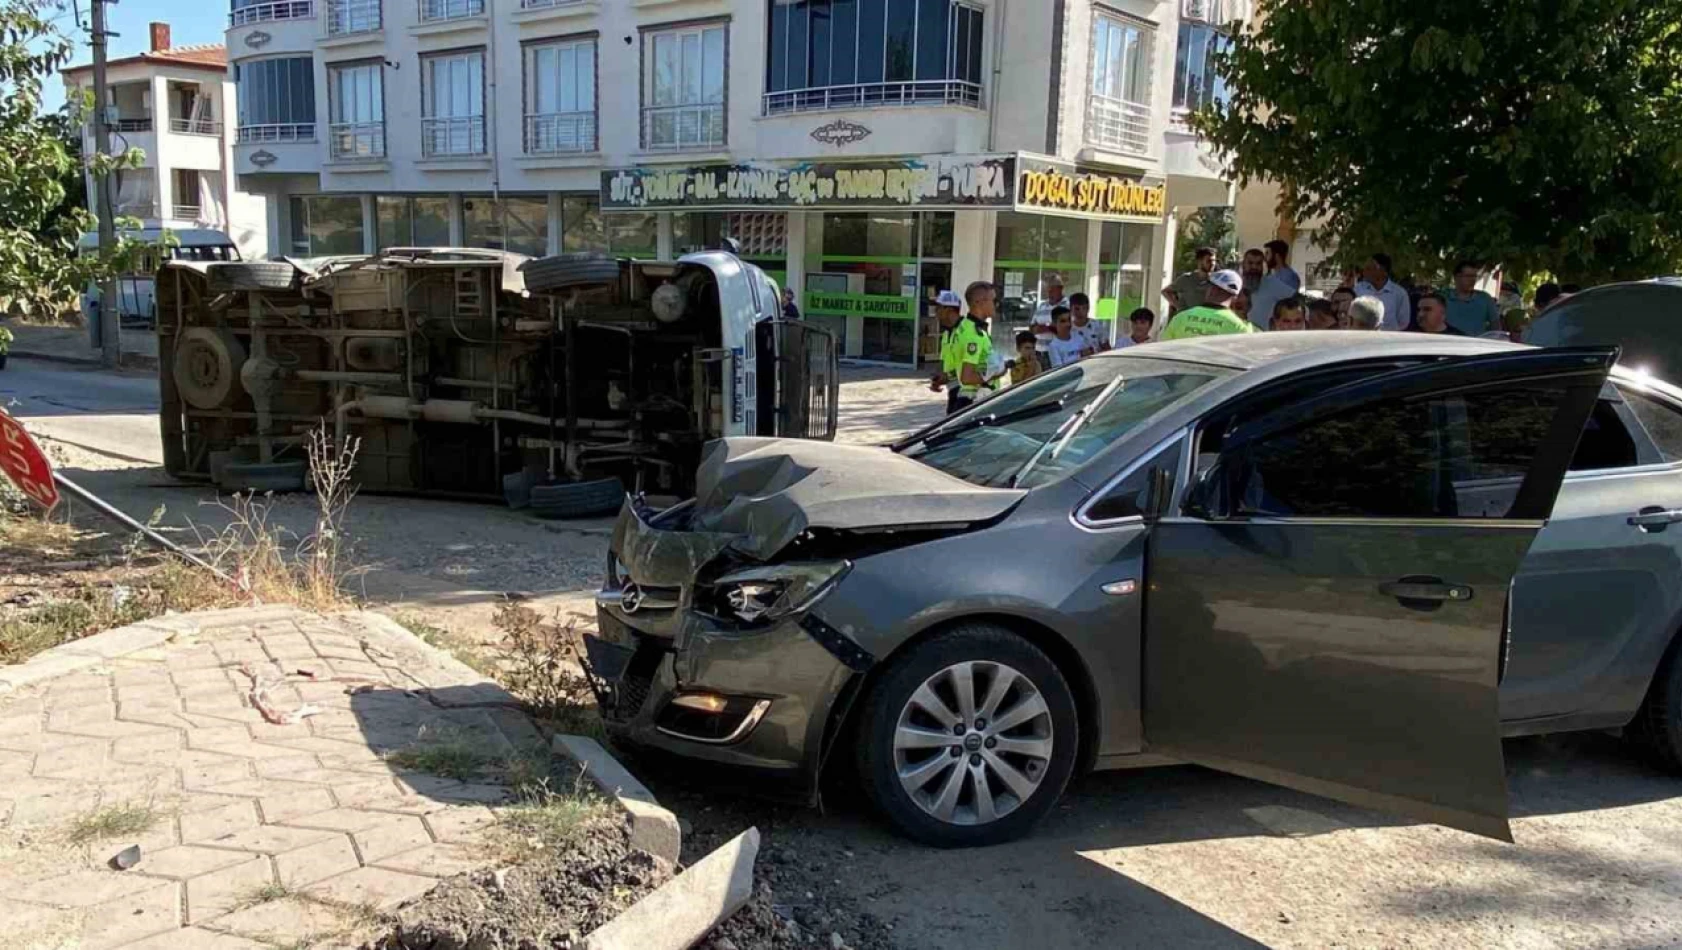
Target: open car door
{"points": [[1326, 611]]}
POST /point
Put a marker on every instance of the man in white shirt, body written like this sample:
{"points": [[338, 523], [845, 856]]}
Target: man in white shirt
{"points": [[1375, 282], [1065, 346], [1051, 299], [1281, 282]]}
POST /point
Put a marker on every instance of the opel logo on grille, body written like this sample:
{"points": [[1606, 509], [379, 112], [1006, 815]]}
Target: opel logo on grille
{"points": [[630, 599]]}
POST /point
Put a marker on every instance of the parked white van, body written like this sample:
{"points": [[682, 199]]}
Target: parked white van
{"points": [[135, 289]]}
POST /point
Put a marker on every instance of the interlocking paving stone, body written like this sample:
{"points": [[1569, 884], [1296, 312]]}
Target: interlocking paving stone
{"points": [[324, 859], [188, 861], [376, 886], [243, 802], [398, 833], [211, 895]]}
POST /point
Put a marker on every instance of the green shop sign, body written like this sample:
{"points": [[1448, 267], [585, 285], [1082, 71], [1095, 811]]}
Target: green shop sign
{"points": [[861, 305]]}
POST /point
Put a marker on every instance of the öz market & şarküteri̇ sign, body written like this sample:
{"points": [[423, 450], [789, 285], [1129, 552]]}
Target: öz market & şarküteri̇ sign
{"points": [[860, 305]]}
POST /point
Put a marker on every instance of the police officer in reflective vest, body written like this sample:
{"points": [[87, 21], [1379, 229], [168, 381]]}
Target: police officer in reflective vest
{"points": [[964, 351]]}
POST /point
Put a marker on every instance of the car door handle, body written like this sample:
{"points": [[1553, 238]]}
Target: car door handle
{"points": [[1425, 589], [1655, 519]]}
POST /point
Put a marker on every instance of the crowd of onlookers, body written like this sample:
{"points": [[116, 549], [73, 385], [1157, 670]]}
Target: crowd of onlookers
{"points": [[1263, 293]]}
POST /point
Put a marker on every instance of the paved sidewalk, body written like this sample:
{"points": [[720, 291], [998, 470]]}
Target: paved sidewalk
{"points": [[252, 833], [70, 345]]}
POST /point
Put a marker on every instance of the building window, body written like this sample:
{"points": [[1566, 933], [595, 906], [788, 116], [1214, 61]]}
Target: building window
{"points": [[1033, 252], [186, 200], [844, 54], [1202, 38], [353, 16], [1118, 114], [433, 11], [412, 222], [513, 224], [683, 87], [246, 12], [276, 100], [356, 100], [324, 225], [876, 279], [453, 103], [561, 97], [1122, 256]]}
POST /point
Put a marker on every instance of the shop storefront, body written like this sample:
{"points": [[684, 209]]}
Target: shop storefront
{"points": [[868, 245]]}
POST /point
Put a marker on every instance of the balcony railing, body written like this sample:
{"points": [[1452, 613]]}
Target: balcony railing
{"points": [[356, 141], [675, 127], [1117, 125], [545, 4], [933, 92], [461, 135], [270, 12], [136, 209], [557, 133], [353, 16], [435, 11], [195, 126], [186, 212], [284, 132], [132, 125]]}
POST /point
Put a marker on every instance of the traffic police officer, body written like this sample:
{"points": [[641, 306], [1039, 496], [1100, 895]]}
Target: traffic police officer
{"points": [[963, 354]]}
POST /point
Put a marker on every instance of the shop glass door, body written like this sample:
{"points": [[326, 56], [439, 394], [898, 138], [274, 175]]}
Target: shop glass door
{"points": [[885, 262]]}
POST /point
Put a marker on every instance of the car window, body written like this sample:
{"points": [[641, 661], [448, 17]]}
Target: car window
{"points": [[1461, 455], [1659, 421], [1040, 432], [1129, 497]]}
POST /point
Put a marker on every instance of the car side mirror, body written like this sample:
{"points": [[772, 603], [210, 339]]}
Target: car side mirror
{"points": [[1203, 497], [1154, 500]]}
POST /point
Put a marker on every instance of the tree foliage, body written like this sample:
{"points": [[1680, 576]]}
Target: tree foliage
{"points": [[39, 223], [1215, 226], [1539, 134]]}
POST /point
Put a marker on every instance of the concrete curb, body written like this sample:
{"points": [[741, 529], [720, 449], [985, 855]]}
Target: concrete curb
{"points": [[653, 828], [686, 908], [459, 685], [130, 361], [110, 645]]}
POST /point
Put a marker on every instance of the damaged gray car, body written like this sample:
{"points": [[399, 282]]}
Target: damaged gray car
{"points": [[1344, 563]]}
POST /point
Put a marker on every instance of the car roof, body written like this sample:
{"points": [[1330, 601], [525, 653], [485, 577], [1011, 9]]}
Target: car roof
{"points": [[1246, 351]]}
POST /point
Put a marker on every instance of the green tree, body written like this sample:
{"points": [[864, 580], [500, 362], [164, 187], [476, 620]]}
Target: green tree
{"points": [[1540, 134], [39, 224], [1214, 226]]}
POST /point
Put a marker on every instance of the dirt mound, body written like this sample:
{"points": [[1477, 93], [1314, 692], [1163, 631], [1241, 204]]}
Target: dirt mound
{"points": [[544, 905]]}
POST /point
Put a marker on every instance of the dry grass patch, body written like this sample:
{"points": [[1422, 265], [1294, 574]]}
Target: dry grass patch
{"points": [[116, 821]]}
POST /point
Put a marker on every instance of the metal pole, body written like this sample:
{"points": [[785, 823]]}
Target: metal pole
{"points": [[100, 505], [110, 306]]}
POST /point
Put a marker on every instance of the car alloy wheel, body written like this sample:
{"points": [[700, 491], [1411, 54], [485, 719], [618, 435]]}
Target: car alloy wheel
{"points": [[973, 743]]}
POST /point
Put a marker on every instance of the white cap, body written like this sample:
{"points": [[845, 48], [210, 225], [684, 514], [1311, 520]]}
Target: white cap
{"points": [[948, 298], [1228, 280]]}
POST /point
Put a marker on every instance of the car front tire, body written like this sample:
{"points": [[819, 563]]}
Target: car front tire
{"points": [[969, 738]]}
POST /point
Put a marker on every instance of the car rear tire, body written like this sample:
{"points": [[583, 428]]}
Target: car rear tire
{"points": [[231, 276], [1657, 728], [950, 780], [569, 270]]}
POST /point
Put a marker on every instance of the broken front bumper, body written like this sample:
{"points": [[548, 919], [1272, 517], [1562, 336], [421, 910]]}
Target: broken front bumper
{"points": [[757, 699]]}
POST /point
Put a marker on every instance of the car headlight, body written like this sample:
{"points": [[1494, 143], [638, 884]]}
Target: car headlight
{"points": [[764, 594]]}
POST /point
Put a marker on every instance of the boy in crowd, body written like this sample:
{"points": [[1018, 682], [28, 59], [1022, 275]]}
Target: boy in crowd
{"points": [[1289, 314], [1027, 363], [1141, 322], [1096, 337], [1064, 347], [1322, 315]]}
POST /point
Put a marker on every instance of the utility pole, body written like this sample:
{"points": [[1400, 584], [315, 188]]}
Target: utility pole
{"points": [[110, 306]]}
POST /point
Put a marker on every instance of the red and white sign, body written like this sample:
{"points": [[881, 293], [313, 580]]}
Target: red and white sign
{"points": [[25, 464]]}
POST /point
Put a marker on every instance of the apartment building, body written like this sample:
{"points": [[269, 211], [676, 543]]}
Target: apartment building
{"points": [[173, 103], [868, 153]]}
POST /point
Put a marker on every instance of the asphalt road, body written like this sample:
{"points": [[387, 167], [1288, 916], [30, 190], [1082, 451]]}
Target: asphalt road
{"points": [[1163, 858]]}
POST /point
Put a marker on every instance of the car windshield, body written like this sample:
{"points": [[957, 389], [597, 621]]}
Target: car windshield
{"points": [[1039, 432]]}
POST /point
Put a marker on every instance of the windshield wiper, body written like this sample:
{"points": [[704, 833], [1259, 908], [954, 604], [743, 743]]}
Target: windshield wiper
{"points": [[994, 419], [1067, 430]]}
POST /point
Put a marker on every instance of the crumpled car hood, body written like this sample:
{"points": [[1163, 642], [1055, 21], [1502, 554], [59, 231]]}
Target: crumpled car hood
{"points": [[767, 492]]}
